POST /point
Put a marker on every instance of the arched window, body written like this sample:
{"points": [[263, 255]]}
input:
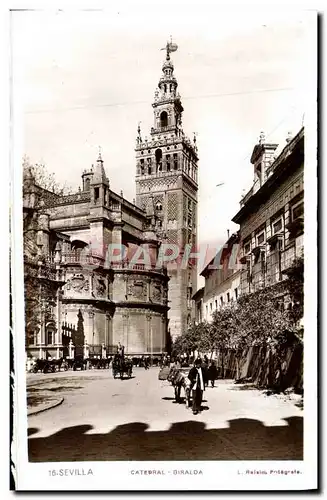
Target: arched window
{"points": [[158, 155], [79, 248], [87, 184], [158, 206], [175, 161], [50, 330], [50, 337], [165, 88], [164, 119], [168, 163]]}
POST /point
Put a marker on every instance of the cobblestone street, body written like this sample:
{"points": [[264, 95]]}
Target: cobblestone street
{"points": [[105, 419]]}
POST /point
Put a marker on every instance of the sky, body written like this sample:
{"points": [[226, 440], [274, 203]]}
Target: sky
{"points": [[84, 79]]}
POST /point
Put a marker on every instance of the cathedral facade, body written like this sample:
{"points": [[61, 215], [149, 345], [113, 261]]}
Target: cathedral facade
{"points": [[88, 249]]}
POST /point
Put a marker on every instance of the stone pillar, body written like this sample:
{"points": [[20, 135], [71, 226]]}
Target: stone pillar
{"points": [[91, 331], [43, 233], [71, 348], [125, 330], [103, 351], [108, 340], [164, 332], [42, 323], [58, 334], [148, 342], [86, 350]]}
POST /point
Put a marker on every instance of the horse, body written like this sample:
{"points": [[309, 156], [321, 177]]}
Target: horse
{"points": [[121, 365], [178, 380]]}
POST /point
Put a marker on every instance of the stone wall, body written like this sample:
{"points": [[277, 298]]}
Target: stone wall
{"points": [[139, 330]]}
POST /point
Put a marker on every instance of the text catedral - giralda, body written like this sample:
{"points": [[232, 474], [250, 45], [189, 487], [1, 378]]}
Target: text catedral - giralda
{"points": [[161, 472]]}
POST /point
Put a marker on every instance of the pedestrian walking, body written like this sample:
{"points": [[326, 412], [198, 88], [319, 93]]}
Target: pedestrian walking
{"points": [[205, 366], [212, 373], [197, 378]]}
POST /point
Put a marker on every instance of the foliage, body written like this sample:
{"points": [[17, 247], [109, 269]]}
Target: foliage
{"points": [[294, 286], [44, 179], [260, 319], [257, 319]]}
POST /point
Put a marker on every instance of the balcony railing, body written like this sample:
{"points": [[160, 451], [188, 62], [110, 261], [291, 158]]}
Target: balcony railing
{"points": [[80, 258], [167, 128], [137, 267]]}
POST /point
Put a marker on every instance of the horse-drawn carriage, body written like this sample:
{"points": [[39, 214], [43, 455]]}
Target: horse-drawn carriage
{"points": [[49, 365], [121, 366]]}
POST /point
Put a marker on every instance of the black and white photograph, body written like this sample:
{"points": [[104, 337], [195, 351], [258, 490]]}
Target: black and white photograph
{"points": [[161, 289]]}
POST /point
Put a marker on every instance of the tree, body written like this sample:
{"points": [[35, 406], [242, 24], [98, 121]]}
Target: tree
{"points": [[44, 179], [40, 283], [192, 340], [224, 331], [259, 319], [294, 286]]}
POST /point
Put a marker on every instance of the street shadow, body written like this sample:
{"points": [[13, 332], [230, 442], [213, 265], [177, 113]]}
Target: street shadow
{"points": [[183, 400], [32, 430], [244, 439]]}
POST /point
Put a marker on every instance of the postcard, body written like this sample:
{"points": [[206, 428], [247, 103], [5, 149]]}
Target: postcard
{"points": [[162, 277]]}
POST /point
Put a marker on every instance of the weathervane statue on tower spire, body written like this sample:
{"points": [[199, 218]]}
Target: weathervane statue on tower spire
{"points": [[170, 47]]}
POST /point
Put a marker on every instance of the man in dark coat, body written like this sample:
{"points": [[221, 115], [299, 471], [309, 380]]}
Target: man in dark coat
{"points": [[197, 378], [212, 373]]}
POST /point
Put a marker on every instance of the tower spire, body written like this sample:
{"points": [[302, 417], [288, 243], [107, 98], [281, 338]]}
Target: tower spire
{"points": [[166, 185], [99, 172], [99, 155]]}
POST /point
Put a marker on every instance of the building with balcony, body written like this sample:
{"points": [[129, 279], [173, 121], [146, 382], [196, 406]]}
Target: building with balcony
{"points": [[271, 215], [222, 279], [197, 306]]}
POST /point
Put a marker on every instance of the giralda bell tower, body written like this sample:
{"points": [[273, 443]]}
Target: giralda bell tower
{"points": [[167, 182]]}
